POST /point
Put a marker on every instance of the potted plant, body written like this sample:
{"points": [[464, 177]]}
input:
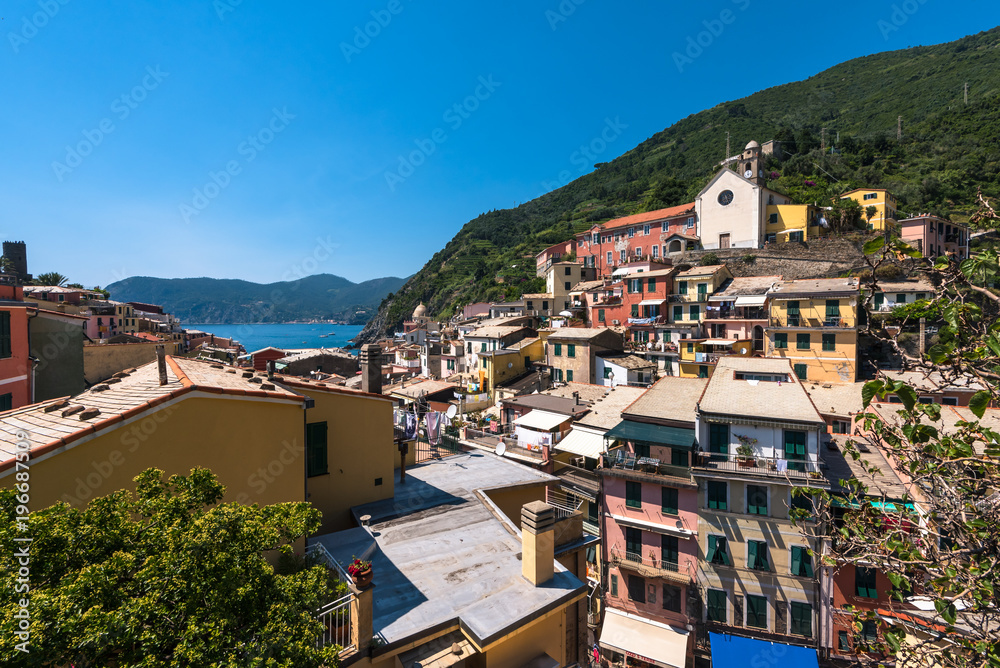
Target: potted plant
{"points": [[360, 572], [744, 452]]}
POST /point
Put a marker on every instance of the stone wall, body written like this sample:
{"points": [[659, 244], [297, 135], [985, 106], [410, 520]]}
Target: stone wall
{"points": [[101, 361], [816, 258]]}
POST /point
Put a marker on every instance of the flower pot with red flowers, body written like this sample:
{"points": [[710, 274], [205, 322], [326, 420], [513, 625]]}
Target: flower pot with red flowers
{"points": [[361, 573]]}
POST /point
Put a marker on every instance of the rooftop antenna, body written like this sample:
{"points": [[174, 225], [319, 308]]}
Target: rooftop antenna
{"points": [[726, 156]]}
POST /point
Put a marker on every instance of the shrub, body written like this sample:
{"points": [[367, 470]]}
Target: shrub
{"points": [[749, 258], [888, 270], [709, 259]]}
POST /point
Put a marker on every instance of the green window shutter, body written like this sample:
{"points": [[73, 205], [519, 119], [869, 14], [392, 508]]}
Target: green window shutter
{"points": [[716, 492], [713, 548], [641, 449], [756, 611], [633, 494], [570, 350], [901, 298], [796, 561], [669, 501], [843, 642], [6, 402], [669, 551], [802, 341], [695, 311], [807, 564], [864, 581], [703, 371], [635, 310], [5, 338], [718, 438], [633, 541], [569, 375], [752, 554], [682, 288], [756, 500], [795, 444], [316, 448], [829, 342], [678, 313], [793, 308], [679, 458], [879, 299], [801, 371], [671, 598], [558, 348], [690, 347], [762, 562], [801, 619], [781, 340], [614, 585], [832, 308], [717, 606], [600, 315], [651, 285]]}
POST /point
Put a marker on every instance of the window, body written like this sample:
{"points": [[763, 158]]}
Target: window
{"points": [[671, 598], [570, 350], [636, 589], [635, 311], [664, 226], [678, 313], [600, 315], [316, 449], [610, 257], [717, 494], [702, 371], [717, 606], [631, 232], [557, 375], [545, 306], [757, 611], [718, 438], [483, 349], [871, 195], [757, 555], [802, 341], [795, 449], [633, 541], [656, 251], [608, 372], [756, 500], [5, 345], [679, 457], [566, 285], [690, 222], [801, 619], [557, 349], [690, 347], [530, 305], [622, 255], [841, 427], [869, 631], [634, 285], [801, 562], [793, 313], [780, 340], [645, 230], [694, 312], [864, 582], [641, 449], [829, 342], [6, 401], [795, 236], [595, 238], [901, 298], [949, 401], [569, 375], [801, 371], [568, 271], [833, 308], [843, 642], [651, 285], [669, 552], [718, 552], [614, 585], [633, 494], [682, 288], [668, 504]]}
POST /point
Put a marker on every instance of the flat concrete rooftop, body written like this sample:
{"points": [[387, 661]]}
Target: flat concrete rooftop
{"points": [[441, 556]]}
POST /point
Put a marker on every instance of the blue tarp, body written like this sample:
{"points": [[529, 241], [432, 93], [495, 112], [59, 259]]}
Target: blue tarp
{"points": [[735, 652]]}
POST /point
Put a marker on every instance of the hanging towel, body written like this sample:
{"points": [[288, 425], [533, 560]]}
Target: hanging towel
{"points": [[411, 426], [494, 426], [782, 465], [433, 427]]}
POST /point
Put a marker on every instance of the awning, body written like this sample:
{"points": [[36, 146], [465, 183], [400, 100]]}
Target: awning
{"points": [[583, 442], [719, 342], [798, 229], [751, 300], [645, 639], [620, 272], [541, 420], [652, 302], [735, 652], [675, 437]]}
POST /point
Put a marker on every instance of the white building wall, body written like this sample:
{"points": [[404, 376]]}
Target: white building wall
{"points": [[742, 218]]}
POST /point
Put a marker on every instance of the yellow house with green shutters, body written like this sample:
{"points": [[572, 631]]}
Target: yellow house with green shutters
{"points": [[698, 357], [883, 201], [813, 324], [692, 288], [792, 222]]}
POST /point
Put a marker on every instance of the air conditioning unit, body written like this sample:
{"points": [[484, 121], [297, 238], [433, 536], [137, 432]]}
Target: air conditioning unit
{"points": [[616, 322]]}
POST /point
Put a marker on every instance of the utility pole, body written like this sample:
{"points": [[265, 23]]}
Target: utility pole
{"points": [[966, 92], [727, 147], [822, 140], [899, 128]]}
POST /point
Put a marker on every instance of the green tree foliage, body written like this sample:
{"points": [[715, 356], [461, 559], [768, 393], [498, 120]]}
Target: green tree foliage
{"points": [[50, 278], [164, 576], [947, 150], [950, 550]]}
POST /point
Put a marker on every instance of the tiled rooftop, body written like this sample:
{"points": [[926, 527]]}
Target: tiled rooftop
{"points": [[671, 398], [765, 399]]}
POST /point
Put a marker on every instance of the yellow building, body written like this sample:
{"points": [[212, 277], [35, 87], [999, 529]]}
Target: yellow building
{"points": [[813, 324], [128, 321], [698, 357], [884, 203], [692, 289], [792, 222], [501, 366]]}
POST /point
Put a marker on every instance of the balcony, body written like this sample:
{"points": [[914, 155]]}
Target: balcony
{"points": [[579, 478], [650, 566], [625, 465], [689, 298], [793, 321], [769, 467], [754, 313]]}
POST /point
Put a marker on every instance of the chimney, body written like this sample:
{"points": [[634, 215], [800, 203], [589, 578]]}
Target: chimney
{"points": [[538, 542], [371, 368], [576, 398], [270, 369], [161, 363]]}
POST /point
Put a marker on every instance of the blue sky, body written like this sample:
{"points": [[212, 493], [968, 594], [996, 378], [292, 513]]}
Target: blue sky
{"points": [[265, 140]]}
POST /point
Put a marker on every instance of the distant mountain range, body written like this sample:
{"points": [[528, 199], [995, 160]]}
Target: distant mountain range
{"points": [[232, 301]]}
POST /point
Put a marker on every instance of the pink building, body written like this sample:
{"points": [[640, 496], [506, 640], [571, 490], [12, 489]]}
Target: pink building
{"points": [[643, 236], [739, 310], [649, 523], [935, 236], [553, 254]]}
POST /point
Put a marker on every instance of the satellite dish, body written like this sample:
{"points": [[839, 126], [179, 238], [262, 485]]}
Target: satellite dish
{"points": [[501, 449], [452, 411], [510, 365]]}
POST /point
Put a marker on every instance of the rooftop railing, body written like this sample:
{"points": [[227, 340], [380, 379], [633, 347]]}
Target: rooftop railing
{"points": [[758, 465], [623, 461], [650, 565]]}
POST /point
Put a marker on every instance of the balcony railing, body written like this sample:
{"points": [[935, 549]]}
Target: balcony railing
{"points": [[765, 466], [689, 297], [737, 314], [623, 461], [800, 321], [649, 565], [336, 620]]}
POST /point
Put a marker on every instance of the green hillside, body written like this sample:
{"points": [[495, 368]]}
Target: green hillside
{"points": [[229, 301], [948, 150]]}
